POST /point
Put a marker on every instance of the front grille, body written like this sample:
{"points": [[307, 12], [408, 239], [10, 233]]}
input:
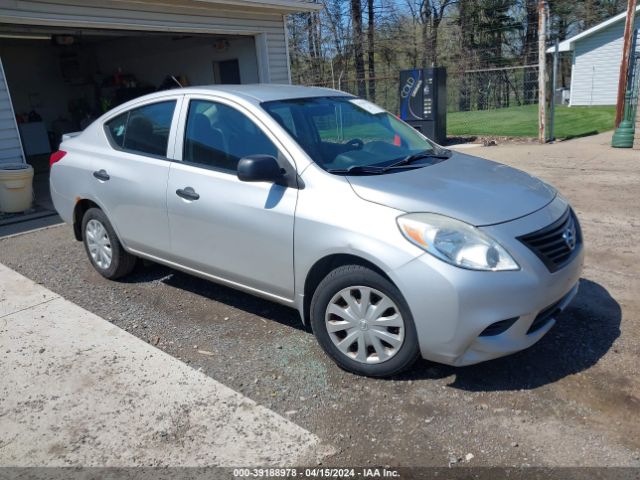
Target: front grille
{"points": [[553, 244]]}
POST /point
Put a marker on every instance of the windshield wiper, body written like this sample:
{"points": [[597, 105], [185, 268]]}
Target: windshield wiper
{"points": [[443, 155], [402, 163], [355, 169], [368, 169]]}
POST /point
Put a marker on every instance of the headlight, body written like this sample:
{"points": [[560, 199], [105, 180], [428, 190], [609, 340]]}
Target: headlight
{"points": [[455, 242]]}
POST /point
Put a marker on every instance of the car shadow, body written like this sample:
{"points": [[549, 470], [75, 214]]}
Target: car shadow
{"points": [[583, 334], [251, 304]]}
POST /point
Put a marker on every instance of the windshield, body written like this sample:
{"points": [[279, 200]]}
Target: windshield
{"points": [[342, 133]]}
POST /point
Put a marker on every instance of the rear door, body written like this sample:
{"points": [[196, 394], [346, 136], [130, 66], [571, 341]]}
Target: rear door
{"points": [[131, 176], [236, 231]]}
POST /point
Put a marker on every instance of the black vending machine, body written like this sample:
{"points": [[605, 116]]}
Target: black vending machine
{"points": [[423, 101]]}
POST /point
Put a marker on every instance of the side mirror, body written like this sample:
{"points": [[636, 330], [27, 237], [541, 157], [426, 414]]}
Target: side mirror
{"points": [[260, 168]]}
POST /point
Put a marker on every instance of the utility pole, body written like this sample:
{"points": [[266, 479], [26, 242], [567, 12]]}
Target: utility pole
{"points": [[542, 71], [626, 58]]}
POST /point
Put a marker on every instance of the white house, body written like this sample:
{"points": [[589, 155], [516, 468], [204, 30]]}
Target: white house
{"points": [[596, 57], [65, 61]]}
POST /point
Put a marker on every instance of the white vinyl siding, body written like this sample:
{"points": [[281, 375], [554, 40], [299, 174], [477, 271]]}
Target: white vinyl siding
{"points": [[596, 66], [176, 16], [10, 147]]}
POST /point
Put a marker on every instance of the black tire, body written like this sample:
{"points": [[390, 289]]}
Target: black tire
{"points": [[122, 262], [353, 275]]}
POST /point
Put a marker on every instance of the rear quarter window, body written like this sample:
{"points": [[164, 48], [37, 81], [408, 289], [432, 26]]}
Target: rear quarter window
{"points": [[143, 130], [116, 128]]}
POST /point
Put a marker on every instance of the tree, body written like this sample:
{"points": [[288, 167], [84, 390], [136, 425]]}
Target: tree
{"points": [[474, 39], [466, 59], [430, 14], [530, 52], [333, 17], [371, 50], [358, 50], [313, 35]]}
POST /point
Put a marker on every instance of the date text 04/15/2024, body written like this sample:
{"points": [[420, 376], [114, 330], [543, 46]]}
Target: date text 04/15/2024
{"points": [[369, 472]]}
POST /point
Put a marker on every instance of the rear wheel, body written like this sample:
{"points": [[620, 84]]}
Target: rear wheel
{"points": [[363, 323], [103, 247]]}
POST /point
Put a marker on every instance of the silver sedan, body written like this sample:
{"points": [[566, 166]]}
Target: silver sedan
{"points": [[389, 246]]}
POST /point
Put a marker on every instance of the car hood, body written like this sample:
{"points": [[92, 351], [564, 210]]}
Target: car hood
{"points": [[471, 189]]}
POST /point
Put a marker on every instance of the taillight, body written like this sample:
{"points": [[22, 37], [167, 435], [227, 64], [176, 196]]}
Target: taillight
{"points": [[56, 156]]}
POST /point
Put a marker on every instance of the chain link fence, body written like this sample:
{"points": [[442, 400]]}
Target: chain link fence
{"points": [[493, 102], [480, 102]]}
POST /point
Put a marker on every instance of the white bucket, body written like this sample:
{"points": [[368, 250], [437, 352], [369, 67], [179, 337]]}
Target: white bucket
{"points": [[16, 187]]}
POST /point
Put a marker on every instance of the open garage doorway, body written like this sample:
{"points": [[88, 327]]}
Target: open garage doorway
{"points": [[60, 80]]}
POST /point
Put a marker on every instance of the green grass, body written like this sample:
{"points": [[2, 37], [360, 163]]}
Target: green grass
{"points": [[523, 121]]}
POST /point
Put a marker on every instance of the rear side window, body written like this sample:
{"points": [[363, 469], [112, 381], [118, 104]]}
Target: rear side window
{"points": [[143, 130], [116, 128]]}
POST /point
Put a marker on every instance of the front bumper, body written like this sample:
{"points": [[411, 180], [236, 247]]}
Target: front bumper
{"points": [[451, 306]]}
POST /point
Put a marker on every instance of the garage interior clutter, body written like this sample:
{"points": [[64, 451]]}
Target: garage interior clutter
{"points": [[60, 81]]}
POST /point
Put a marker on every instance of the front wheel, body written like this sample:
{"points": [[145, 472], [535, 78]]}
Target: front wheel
{"points": [[103, 247], [363, 323]]}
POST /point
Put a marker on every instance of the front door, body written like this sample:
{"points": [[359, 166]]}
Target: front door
{"points": [[237, 231]]}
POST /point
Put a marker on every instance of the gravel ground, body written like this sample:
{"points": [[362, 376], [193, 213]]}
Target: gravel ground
{"points": [[571, 400]]}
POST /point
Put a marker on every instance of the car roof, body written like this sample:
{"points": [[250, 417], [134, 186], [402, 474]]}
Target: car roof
{"points": [[259, 92]]}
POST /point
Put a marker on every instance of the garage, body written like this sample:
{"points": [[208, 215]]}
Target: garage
{"points": [[64, 63], [59, 82]]}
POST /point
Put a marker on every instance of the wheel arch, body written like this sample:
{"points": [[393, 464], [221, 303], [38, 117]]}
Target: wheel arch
{"points": [[79, 210], [322, 267]]}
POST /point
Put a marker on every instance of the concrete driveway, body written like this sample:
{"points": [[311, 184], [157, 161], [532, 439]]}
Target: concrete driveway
{"points": [[571, 400], [77, 390]]}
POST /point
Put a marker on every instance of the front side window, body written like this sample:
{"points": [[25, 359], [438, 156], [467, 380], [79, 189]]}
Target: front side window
{"points": [[218, 136], [143, 130], [340, 133]]}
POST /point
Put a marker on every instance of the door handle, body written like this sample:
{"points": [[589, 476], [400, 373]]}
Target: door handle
{"points": [[101, 175], [187, 193]]}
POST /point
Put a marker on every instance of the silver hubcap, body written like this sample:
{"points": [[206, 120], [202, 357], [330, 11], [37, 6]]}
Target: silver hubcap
{"points": [[98, 243], [365, 324]]}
